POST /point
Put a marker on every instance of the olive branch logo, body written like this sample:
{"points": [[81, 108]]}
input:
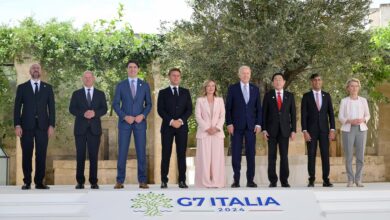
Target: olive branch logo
{"points": [[150, 203]]}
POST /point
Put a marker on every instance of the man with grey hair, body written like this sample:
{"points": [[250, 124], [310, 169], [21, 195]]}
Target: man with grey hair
{"points": [[87, 104], [243, 120], [34, 121]]}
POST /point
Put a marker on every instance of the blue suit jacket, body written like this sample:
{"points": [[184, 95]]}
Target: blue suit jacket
{"points": [[124, 104], [240, 114]]}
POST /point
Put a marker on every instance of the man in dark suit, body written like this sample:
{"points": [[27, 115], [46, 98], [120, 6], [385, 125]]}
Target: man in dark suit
{"points": [[87, 104], [317, 116], [132, 103], [243, 120], [34, 121], [174, 106], [279, 124]]}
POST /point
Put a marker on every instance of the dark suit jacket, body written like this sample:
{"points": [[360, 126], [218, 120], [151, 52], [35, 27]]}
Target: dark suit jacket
{"points": [[273, 119], [79, 105], [240, 114], [315, 121], [28, 106], [168, 109]]}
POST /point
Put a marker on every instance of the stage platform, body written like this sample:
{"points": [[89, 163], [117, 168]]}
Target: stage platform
{"points": [[297, 202]]}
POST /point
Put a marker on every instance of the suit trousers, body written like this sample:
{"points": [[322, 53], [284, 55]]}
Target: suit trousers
{"points": [[28, 138], [180, 135], [83, 142], [273, 144], [124, 136], [237, 139], [323, 140], [354, 138]]}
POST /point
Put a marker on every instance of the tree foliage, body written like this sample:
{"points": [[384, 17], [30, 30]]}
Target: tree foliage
{"points": [[294, 37], [65, 52]]}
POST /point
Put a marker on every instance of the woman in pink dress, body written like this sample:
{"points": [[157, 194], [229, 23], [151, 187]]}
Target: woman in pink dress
{"points": [[210, 157]]}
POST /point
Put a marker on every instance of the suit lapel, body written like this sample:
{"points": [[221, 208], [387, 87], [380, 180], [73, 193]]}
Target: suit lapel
{"points": [[242, 94], [129, 89], [41, 89], [285, 100], [275, 99], [139, 87], [207, 106]]}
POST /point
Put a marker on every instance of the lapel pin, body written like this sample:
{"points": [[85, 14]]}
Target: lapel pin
{"points": [[273, 97]]}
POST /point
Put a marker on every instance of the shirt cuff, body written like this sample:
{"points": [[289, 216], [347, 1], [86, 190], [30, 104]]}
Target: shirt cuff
{"points": [[170, 123], [182, 123], [258, 126]]}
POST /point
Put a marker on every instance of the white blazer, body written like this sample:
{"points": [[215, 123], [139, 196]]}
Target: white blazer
{"points": [[345, 113], [203, 116]]}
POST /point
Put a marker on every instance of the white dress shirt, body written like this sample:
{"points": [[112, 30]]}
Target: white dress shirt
{"points": [[173, 92], [33, 84], [90, 91]]}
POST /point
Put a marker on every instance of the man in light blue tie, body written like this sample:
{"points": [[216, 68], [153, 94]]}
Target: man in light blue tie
{"points": [[132, 103], [243, 120]]}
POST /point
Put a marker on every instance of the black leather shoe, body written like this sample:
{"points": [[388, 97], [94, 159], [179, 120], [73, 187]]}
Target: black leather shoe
{"points": [[311, 184], [235, 185], [42, 186], [182, 185], [285, 185], [164, 185], [79, 186], [26, 186], [327, 184], [251, 185], [94, 186], [272, 185]]}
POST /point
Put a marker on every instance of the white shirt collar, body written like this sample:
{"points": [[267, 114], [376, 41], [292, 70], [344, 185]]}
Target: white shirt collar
{"points": [[281, 91], [35, 81], [86, 88], [172, 86], [131, 79], [316, 91], [243, 84]]}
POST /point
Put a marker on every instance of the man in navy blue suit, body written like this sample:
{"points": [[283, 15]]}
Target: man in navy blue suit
{"points": [[132, 103], [243, 120]]}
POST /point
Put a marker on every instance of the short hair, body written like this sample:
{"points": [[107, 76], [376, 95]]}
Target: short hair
{"points": [[173, 70], [204, 88], [314, 75], [88, 71], [132, 61], [353, 80], [278, 74], [243, 67]]}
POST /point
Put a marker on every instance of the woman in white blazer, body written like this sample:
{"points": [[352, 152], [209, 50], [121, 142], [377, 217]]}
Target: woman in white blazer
{"points": [[354, 115], [210, 157]]}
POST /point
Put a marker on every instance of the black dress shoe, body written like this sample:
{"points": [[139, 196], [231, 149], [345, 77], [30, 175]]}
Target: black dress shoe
{"points": [[94, 186], [182, 185], [272, 185], [235, 184], [311, 184], [285, 185], [26, 186], [327, 184], [79, 186], [251, 185], [42, 186], [164, 185]]}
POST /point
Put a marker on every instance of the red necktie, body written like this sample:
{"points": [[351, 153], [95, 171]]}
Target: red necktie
{"points": [[279, 101]]}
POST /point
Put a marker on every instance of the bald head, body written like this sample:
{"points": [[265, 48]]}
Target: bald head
{"points": [[35, 71], [88, 79]]}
